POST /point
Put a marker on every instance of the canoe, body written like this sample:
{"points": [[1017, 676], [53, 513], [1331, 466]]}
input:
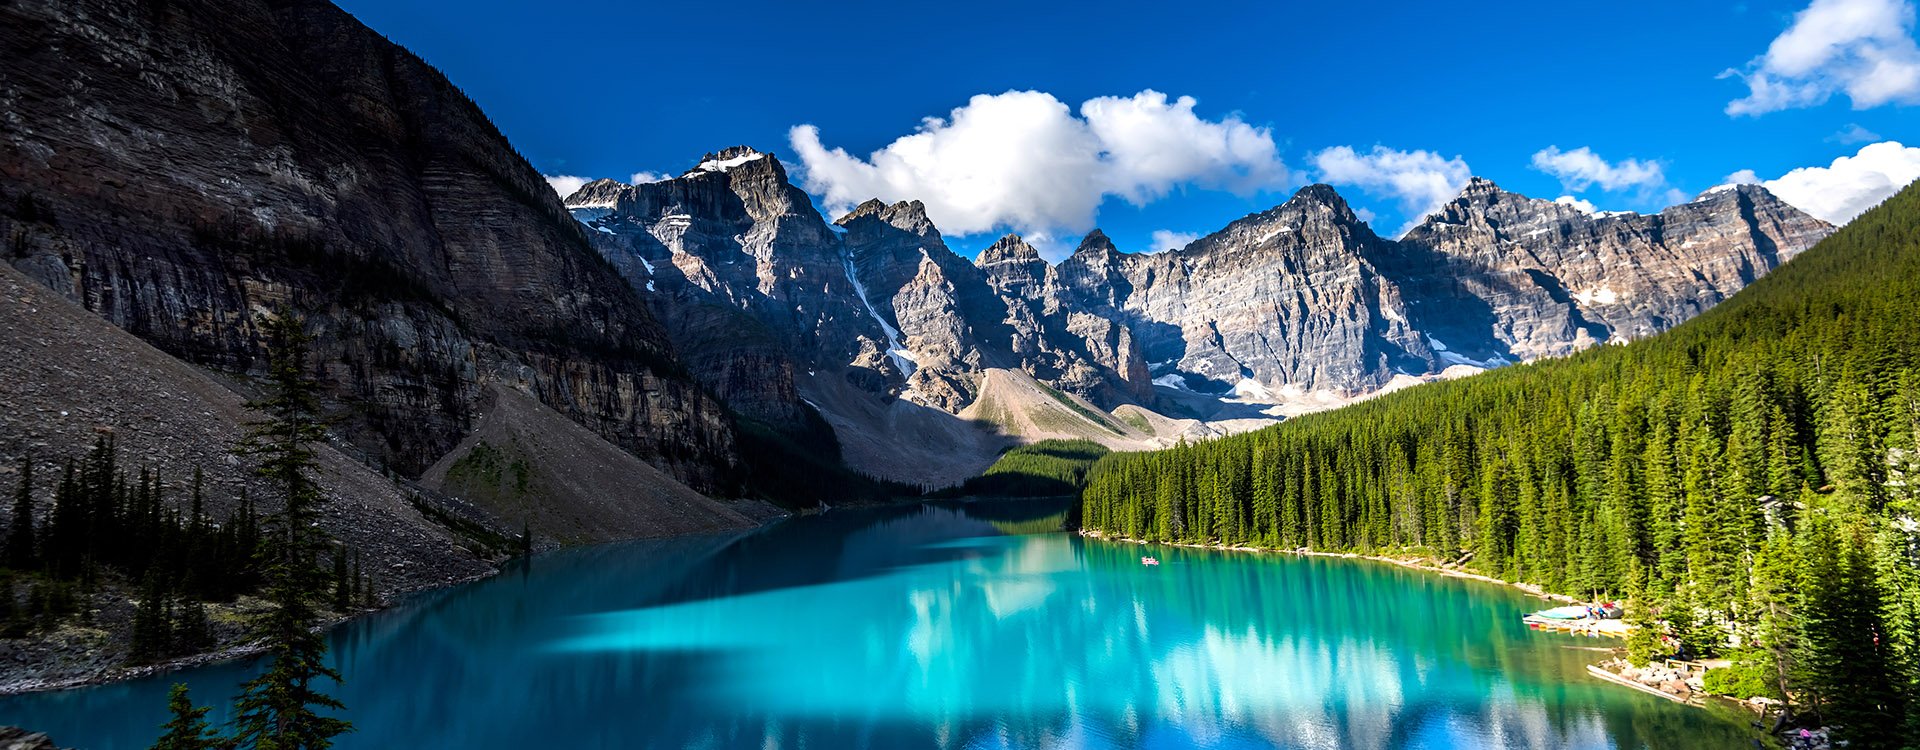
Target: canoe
{"points": [[1563, 613]]}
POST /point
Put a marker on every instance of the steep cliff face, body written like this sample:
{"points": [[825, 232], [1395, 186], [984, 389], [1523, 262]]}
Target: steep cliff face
{"points": [[1286, 297], [1088, 355], [952, 324], [1300, 306], [748, 278], [179, 167], [779, 312], [1304, 301], [1555, 279]]}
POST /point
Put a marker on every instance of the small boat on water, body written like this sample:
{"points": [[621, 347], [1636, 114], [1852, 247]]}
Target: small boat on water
{"points": [[1149, 561], [1565, 613], [1580, 619]]}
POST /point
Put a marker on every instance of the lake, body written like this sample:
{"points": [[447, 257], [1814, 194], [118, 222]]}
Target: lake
{"points": [[962, 625]]}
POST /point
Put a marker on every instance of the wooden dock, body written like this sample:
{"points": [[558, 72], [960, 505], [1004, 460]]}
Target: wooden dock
{"points": [[1589, 628], [1603, 674]]}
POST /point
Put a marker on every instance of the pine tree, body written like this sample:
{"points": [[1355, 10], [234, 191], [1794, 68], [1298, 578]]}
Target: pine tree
{"points": [[192, 632], [18, 552], [187, 729], [64, 547], [1643, 644], [279, 709], [1845, 654], [152, 630]]}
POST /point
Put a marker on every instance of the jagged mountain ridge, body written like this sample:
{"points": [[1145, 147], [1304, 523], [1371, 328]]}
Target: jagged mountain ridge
{"points": [[1298, 307], [748, 277]]}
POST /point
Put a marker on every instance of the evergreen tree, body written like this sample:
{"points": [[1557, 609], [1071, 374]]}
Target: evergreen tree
{"points": [[152, 629], [1753, 475], [1847, 658], [18, 552], [187, 729], [191, 630], [64, 547], [280, 708]]}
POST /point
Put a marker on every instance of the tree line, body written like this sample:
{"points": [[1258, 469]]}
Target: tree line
{"points": [[107, 528], [1749, 480], [1049, 468]]}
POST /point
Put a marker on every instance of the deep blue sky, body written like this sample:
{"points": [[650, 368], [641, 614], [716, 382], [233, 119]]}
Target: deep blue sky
{"points": [[605, 89]]}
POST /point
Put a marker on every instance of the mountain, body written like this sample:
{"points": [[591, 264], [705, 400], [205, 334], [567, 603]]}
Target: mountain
{"points": [[1305, 301], [1556, 279], [1744, 480], [870, 323], [876, 325], [178, 168]]}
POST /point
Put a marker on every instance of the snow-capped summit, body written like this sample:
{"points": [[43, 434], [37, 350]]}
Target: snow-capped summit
{"points": [[727, 159]]}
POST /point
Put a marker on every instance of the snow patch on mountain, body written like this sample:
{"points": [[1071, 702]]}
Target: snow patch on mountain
{"points": [[722, 165], [902, 357]]}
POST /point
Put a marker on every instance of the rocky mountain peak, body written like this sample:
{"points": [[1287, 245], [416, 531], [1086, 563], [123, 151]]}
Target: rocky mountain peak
{"points": [[906, 216], [1009, 249], [1483, 202], [1013, 267], [727, 159], [1751, 192], [1318, 192], [1316, 218], [731, 152], [911, 216], [873, 206], [1479, 186], [1096, 241], [601, 193]]}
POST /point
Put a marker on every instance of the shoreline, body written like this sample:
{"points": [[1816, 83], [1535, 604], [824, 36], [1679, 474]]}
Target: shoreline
{"points": [[1599, 670], [122, 673], [231, 652], [1410, 562]]}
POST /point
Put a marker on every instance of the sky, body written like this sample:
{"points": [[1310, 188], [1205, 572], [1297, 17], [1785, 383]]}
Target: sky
{"points": [[1162, 122]]}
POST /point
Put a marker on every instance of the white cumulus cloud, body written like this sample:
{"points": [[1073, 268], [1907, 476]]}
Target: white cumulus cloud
{"points": [[1025, 160], [1851, 185], [1585, 206], [566, 184], [1581, 168], [644, 177], [1167, 239], [1864, 48], [1421, 181]]}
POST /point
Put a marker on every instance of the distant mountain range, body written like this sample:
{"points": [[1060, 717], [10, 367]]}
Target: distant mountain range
{"points": [[876, 324], [177, 168], [493, 359]]}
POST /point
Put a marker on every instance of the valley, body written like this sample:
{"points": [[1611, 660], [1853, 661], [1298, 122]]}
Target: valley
{"points": [[322, 397]]}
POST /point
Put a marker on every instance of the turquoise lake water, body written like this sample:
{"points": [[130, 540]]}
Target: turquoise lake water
{"points": [[945, 626]]}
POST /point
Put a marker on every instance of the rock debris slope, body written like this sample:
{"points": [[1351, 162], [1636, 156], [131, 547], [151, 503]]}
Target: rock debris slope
{"points": [[67, 377], [179, 167]]}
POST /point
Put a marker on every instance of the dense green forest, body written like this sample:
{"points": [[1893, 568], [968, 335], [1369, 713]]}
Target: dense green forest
{"points": [[1049, 468], [1747, 479]]}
